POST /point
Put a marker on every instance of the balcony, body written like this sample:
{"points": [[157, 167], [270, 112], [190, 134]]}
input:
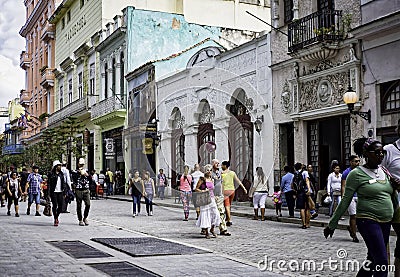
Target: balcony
{"points": [[24, 60], [306, 35], [12, 149], [76, 108], [107, 106], [48, 32], [24, 97], [47, 77]]}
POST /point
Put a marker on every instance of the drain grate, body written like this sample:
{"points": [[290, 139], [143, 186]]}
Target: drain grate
{"points": [[122, 269], [78, 249], [139, 247]]}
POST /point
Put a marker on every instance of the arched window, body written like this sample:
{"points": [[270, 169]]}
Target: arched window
{"points": [[241, 140], [390, 97], [177, 143]]}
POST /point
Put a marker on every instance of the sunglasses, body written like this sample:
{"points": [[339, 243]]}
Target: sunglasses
{"points": [[356, 161], [378, 152]]}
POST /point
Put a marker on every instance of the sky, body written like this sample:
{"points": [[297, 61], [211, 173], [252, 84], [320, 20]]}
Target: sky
{"points": [[12, 77]]}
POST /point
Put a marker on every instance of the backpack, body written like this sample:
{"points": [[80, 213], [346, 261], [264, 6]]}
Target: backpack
{"points": [[298, 183], [107, 178]]}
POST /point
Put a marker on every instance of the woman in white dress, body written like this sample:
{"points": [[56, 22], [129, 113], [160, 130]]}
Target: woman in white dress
{"points": [[209, 215]]}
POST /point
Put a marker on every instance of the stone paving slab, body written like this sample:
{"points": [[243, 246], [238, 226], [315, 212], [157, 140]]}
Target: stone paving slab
{"points": [[148, 246]]}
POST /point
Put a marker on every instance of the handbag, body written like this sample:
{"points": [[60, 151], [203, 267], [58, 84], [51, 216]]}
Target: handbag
{"points": [[47, 210], [44, 202], [202, 198]]}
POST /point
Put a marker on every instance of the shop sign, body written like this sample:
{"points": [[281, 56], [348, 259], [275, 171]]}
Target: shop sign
{"points": [[110, 153]]}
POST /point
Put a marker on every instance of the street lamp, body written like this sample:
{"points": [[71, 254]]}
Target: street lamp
{"points": [[350, 98], [258, 123]]}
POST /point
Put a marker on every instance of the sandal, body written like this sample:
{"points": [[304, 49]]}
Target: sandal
{"points": [[213, 234], [304, 227], [208, 236]]}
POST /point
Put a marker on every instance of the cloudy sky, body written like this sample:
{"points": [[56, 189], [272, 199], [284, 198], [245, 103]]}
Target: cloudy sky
{"points": [[12, 80]]}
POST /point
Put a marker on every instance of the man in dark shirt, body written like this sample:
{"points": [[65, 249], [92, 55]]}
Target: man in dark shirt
{"points": [[24, 178]]}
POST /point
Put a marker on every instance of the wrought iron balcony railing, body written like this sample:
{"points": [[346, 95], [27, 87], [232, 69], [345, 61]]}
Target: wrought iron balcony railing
{"points": [[75, 108], [13, 149], [108, 105], [321, 26]]}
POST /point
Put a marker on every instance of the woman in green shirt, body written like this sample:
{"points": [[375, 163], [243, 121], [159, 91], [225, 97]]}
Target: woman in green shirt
{"points": [[374, 206]]}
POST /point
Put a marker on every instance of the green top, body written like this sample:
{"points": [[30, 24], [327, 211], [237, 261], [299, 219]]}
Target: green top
{"points": [[228, 180], [374, 198]]}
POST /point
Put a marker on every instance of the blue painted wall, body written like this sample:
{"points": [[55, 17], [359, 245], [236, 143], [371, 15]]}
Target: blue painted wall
{"points": [[150, 36]]}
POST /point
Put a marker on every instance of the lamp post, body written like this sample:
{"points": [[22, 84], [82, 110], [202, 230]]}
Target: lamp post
{"points": [[258, 123], [350, 98]]}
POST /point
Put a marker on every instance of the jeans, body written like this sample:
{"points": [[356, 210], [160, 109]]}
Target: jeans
{"points": [[136, 201], [57, 200], [82, 195], [161, 192], [290, 202], [376, 237], [109, 188], [335, 198], [149, 203]]}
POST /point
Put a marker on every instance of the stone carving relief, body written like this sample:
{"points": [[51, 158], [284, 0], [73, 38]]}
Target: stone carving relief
{"points": [[295, 93], [285, 98], [313, 92], [324, 91], [207, 115]]}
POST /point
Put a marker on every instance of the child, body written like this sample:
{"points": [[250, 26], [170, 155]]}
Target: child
{"points": [[277, 200]]}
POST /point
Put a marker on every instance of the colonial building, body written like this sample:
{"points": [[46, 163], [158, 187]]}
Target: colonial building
{"points": [[315, 60], [159, 44], [13, 129], [380, 43], [218, 107], [79, 26], [38, 62]]}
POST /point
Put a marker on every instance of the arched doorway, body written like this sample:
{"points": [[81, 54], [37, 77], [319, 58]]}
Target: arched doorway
{"points": [[177, 144], [206, 133], [241, 141]]}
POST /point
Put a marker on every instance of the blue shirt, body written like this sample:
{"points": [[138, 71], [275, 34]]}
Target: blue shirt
{"points": [[287, 182], [344, 177]]}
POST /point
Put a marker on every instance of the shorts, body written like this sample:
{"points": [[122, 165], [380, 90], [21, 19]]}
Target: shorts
{"points": [[228, 197], [301, 201], [259, 199], [12, 198], [35, 197], [352, 210]]}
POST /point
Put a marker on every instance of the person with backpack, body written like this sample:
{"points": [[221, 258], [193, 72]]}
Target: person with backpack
{"points": [[301, 184], [13, 189], [81, 183]]}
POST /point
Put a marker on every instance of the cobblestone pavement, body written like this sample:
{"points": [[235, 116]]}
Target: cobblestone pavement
{"points": [[25, 250]]}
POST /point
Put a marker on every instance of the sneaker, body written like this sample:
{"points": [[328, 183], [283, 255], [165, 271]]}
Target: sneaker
{"points": [[224, 233], [86, 221], [81, 223], [17, 215], [151, 213], [37, 213], [314, 215], [2, 205], [134, 215], [8, 213], [28, 211], [229, 223]]}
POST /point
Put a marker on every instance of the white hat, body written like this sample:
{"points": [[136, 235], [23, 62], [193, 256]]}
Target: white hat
{"points": [[56, 162], [81, 161]]}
